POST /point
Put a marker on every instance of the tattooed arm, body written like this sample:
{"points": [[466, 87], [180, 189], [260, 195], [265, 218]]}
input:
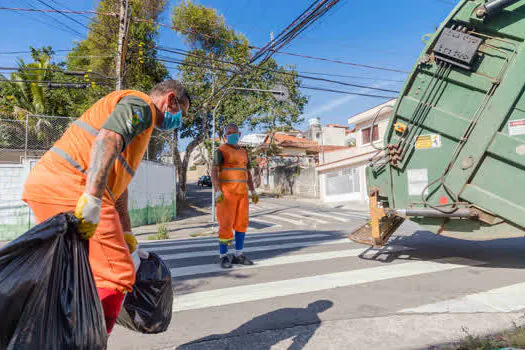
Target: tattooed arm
{"points": [[122, 208], [106, 148]]}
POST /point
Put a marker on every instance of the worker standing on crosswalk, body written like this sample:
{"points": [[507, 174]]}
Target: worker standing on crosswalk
{"points": [[231, 179], [88, 171]]}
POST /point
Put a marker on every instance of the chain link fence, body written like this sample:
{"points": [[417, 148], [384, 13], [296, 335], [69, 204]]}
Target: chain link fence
{"points": [[23, 140]]}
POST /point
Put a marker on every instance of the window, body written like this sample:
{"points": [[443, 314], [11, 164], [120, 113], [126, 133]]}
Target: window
{"points": [[365, 135]]}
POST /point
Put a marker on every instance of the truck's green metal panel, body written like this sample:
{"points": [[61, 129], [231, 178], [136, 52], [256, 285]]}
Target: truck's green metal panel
{"points": [[487, 168]]}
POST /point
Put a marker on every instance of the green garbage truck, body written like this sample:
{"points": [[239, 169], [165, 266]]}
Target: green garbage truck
{"points": [[453, 158]]}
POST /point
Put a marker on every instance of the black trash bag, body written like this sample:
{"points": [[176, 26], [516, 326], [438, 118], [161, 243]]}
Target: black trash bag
{"points": [[48, 298], [147, 309]]}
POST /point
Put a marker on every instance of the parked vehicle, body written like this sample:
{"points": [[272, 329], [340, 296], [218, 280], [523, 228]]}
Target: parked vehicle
{"points": [[454, 154], [204, 181]]}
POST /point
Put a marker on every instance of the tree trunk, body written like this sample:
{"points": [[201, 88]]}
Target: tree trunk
{"points": [[182, 164]]}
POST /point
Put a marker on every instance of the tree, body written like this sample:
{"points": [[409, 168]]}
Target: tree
{"points": [[98, 51], [24, 98], [217, 54]]}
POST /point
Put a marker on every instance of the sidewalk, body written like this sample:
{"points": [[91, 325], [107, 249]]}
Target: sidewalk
{"points": [[196, 222], [389, 333]]}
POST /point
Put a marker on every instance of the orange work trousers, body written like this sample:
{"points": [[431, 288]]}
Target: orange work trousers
{"points": [[232, 214], [109, 255]]}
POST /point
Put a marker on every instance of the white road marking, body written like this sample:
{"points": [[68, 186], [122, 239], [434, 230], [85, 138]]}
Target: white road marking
{"points": [[275, 261], [260, 291], [249, 241], [169, 242], [330, 216], [505, 299], [304, 217], [355, 215], [256, 219], [280, 218], [256, 249]]}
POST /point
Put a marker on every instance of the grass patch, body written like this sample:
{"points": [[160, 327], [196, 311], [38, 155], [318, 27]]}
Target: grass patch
{"points": [[203, 234], [162, 217], [513, 338]]}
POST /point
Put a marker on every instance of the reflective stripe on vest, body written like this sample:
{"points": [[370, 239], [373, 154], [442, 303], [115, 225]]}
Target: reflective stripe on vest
{"points": [[240, 169], [67, 158], [93, 131], [70, 160]]}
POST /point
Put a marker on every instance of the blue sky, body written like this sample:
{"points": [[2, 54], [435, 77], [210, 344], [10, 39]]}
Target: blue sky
{"points": [[380, 33]]}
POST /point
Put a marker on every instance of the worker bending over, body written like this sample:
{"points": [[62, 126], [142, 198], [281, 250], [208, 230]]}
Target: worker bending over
{"points": [[231, 179], [88, 171]]}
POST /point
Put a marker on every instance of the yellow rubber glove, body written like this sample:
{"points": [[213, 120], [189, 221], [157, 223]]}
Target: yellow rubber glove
{"points": [[88, 212], [219, 197], [131, 241], [255, 197]]}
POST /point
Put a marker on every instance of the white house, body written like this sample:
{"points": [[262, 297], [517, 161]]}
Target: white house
{"points": [[342, 174]]}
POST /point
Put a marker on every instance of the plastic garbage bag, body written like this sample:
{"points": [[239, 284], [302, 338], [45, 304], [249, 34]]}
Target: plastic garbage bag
{"points": [[48, 298], [147, 309]]}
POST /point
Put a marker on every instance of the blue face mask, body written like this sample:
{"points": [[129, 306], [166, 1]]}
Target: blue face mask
{"points": [[172, 120], [232, 139]]}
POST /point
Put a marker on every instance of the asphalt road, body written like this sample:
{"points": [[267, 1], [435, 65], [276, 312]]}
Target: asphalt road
{"points": [[312, 288]]}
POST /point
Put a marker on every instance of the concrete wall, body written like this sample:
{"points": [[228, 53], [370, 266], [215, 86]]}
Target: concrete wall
{"points": [[15, 216], [290, 181], [334, 136], [152, 196]]}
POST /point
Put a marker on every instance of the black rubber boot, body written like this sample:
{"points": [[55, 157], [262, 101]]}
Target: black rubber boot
{"points": [[241, 260], [225, 262]]}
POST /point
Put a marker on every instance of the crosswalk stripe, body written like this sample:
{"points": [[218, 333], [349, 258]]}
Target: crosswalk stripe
{"points": [[265, 206], [275, 261], [324, 215], [306, 218], [260, 291], [354, 215], [169, 242], [257, 219], [255, 249], [249, 241], [506, 299], [280, 218]]}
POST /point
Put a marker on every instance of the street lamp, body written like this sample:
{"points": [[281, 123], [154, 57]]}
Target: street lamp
{"points": [[279, 92]]}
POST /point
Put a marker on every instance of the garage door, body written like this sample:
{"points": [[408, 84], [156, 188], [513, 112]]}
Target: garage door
{"points": [[342, 182]]}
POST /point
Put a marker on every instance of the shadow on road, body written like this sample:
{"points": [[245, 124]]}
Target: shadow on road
{"points": [[250, 336], [426, 246]]}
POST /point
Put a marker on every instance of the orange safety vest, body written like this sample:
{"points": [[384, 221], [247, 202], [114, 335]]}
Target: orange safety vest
{"points": [[69, 158], [233, 174]]}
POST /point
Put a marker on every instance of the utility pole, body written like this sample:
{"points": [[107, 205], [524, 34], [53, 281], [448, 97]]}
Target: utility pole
{"points": [[122, 29]]}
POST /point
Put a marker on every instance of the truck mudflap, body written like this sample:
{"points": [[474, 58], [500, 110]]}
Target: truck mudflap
{"points": [[381, 226]]}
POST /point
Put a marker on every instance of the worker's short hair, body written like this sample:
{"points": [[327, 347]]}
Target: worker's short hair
{"points": [[231, 126], [167, 86]]}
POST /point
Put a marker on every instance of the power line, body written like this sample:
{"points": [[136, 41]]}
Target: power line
{"points": [[51, 24], [64, 14], [343, 62], [309, 87], [21, 9], [37, 82], [56, 70], [186, 53], [19, 52], [191, 31], [62, 23], [352, 76]]}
